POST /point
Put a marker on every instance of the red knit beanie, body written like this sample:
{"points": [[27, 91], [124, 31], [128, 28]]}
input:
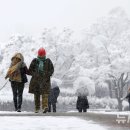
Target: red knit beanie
{"points": [[41, 52]]}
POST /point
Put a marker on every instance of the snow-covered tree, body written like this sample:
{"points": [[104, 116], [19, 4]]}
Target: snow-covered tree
{"points": [[94, 63], [110, 38], [84, 86]]}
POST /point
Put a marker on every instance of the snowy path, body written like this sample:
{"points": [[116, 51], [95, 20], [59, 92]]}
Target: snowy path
{"points": [[46, 123], [61, 121]]}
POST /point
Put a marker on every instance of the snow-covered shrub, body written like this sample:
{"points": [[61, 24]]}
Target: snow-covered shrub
{"points": [[104, 103], [101, 90], [67, 100], [125, 105]]}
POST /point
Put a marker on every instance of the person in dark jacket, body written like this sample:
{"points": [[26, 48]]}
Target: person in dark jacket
{"points": [[17, 76], [128, 97], [41, 70], [52, 99], [82, 103]]}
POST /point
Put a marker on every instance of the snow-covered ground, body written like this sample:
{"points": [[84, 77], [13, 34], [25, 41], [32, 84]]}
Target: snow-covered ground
{"points": [[46, 123], [101, 111], [111, 112]]}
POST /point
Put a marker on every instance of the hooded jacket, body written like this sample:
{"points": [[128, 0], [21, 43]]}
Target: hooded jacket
{"points": [[54, 93], [17, 70]]}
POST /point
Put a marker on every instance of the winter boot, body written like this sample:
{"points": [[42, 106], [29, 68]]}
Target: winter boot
{"points": [[36, 110], [45, 110], [19, 110]]}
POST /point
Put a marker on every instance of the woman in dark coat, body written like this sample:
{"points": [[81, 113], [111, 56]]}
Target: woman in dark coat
{"points": [[82, 103], [41, 69], [17, 76]]}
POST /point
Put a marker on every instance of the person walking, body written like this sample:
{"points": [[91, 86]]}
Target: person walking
{"points": [[82, 103], [41, 70], [17, 76], [52, 99], [128, 97]]}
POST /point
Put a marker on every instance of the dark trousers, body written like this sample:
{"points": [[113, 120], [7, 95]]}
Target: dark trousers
{"points": [[53, 106], [129, 106], [82, 109], [17, 89], [44, 101]]}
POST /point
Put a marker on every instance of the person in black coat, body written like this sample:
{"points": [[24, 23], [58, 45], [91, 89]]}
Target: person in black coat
{"points": [[82, 103], [52, 98], [128, 97]]}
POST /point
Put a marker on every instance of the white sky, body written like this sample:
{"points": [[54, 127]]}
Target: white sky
{"points": [[31, 16]]}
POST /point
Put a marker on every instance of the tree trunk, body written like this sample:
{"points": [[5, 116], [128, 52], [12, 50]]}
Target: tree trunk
{"points": [[110, 88], [119, 105]]}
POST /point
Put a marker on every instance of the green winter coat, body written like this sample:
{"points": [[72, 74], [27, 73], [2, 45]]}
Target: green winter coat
{"points": [[40, 83]]}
